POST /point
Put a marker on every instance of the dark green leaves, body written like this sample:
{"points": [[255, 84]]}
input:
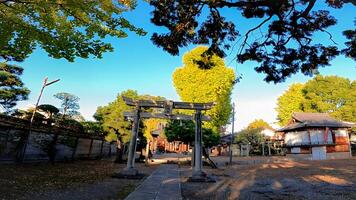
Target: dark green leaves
{"points": [[11, 86]]}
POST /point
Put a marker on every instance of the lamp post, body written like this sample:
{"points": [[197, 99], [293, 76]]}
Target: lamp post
{"points": [[45, 84], [232, 132]]}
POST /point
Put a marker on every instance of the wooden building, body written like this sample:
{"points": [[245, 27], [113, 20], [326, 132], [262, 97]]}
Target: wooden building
{"points": [[316, 136]]}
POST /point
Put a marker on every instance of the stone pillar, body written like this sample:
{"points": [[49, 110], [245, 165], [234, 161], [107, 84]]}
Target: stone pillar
{"points": [[130, 169], [269, 148], [198, 175]]}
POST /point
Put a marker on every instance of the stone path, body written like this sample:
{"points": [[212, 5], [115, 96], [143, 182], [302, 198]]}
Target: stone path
{"points": [[162, 184]]}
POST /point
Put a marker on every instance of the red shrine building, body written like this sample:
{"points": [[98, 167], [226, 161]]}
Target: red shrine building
{"points": [[159, 143], [316, 136]]}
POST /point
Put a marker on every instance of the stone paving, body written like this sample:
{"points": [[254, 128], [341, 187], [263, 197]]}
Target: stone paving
{"points": [[162, 184]]}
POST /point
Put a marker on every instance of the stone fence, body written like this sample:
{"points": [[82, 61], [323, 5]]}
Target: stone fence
{"points": [[66, 143]]}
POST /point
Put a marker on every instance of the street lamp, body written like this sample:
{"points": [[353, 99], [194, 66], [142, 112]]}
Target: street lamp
{"points": [[45, 84]]}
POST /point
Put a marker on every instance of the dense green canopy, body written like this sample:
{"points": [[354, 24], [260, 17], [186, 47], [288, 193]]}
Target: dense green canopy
{"points": [[63, 28], [289, 102], [12, 88], [329, 94]]}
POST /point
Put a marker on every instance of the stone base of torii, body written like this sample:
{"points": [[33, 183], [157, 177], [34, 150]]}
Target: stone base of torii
{"points": [[198, 175]]}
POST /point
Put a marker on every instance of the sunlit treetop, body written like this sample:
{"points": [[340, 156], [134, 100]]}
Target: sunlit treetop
{"points": [[63, 28]]}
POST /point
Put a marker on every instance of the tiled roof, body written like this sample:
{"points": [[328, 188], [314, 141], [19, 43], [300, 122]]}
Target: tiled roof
{"points": [[314, 120]]}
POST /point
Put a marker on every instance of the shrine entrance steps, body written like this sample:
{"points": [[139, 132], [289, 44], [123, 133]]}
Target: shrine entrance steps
{"points": [[162, 184]]}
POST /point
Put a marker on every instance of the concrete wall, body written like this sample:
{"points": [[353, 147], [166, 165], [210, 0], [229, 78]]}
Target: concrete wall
{"points": [[67, 146]]}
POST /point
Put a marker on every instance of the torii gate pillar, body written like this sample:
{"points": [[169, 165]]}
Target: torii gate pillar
{"points": [[198, 175], [130, 171]]}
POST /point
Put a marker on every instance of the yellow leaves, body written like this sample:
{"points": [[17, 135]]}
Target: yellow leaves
{"points": [[151, 125], [205, 85]]}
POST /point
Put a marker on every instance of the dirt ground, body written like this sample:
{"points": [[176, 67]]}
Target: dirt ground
{"points": [[75, 180], [330, 179]]}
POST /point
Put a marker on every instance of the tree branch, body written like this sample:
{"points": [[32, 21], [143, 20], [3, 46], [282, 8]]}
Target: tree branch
{"points": [[308, 9], [248, 32]]}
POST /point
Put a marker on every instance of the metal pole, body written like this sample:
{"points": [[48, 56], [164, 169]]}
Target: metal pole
{"points": [[33, 116], [31, 121], [232, 132]]}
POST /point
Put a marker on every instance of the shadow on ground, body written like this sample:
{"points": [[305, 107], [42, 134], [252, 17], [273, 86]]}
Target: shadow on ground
{"points": [[331, 179]]}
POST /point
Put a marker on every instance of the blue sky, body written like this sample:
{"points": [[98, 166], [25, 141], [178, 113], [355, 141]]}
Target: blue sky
{"points": [[137, 64]]}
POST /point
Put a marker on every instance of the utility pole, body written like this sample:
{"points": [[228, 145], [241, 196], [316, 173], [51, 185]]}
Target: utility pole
{"points": [[232, 131], [45, 84]]}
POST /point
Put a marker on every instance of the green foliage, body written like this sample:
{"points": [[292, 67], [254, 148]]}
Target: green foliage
{"points": [[27, 114], [289, 102], [93, 128], [252, 137], [177, 130], [210, 138], [112, 117], [180, 130], [215, 84], [69, 103], [50, 110], [64, 28], [331, 94], [71, 124], [325, 94], [12, 88], [258, 124]]}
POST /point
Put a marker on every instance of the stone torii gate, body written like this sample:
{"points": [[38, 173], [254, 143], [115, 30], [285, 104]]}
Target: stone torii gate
{"points": [[130, 171]]}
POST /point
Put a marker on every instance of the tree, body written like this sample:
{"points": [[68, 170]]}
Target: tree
{"points": [[12, 88], [285, 47], [180, 130], [258, 124], [331, 94], [252, 137], [113, 121], [93, 128], [325, 94], [64, 29], [50, 110], [206, 85], [69, 103], [289, 102], [184, 131]]}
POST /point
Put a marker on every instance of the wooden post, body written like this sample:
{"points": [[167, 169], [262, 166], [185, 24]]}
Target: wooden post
{"points": [[90, 147], [263, 149], [101, 148], [75, 148], [53, 150]]}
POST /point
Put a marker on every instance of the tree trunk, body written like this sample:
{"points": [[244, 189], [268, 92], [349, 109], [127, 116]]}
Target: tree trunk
{"points": [[119, 152]]}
